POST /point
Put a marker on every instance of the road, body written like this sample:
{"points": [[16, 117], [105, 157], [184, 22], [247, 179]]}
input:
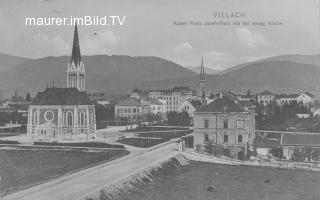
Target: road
{"points": [[82, 183]]}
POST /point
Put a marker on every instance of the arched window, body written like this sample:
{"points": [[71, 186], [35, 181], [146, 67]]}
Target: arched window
{"points": [[82, 119], [69, 119], [35, 118]]}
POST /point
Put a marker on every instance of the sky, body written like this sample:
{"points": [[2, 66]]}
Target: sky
{"points": [[149, 29]]}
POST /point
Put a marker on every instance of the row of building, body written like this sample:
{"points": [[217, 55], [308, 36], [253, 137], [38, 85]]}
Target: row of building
{"points": [[267, 97]]}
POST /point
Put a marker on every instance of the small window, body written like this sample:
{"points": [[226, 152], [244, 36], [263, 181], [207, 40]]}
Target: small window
{"points": [[239, 138], [225, 138], [206, 123], [225, 123], [206, 137]]}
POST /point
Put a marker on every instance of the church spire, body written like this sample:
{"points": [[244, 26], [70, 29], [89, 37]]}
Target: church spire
{"points": [[202, 79], [76, 56], [202, 74]]}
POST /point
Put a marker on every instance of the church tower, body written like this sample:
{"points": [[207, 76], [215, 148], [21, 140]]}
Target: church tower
{"points": [[202, 79], [76, 71]]}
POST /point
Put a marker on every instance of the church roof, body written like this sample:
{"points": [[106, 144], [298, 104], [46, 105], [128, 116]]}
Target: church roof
{"points": [[76, 56], [62, 96]]}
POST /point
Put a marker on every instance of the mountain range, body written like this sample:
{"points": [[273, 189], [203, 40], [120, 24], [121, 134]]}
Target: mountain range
{"points": [[121, 73], [207, 70]]}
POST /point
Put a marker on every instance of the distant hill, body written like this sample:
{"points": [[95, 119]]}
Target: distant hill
{"points": [[304, 59], [277, 76], [113, 73], [207, 70], [8, 61], [120, 73]]}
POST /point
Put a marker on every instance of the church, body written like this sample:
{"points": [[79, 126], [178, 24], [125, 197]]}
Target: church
{"points": [[64, 114]]}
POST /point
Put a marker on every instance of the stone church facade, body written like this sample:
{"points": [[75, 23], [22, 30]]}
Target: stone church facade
{"points": [[59, 114]]}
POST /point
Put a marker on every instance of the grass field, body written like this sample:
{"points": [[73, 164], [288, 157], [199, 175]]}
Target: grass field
{"points": [[231, 183], [20, 168]]}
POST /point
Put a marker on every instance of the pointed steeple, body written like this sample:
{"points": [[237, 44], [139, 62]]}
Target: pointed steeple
{"points": [[202, 79], [202, 74], [76, 56]]}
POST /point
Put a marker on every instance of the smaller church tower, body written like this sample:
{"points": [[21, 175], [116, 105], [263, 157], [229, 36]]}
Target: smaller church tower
{"points": [[202, 80], [76, 70]]}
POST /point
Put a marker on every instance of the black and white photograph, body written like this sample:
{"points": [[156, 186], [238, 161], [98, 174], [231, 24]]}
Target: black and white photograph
{"points": [[160, 100]]}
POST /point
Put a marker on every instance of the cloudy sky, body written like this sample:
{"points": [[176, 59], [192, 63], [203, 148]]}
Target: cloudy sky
{"points": [[149, 29]]}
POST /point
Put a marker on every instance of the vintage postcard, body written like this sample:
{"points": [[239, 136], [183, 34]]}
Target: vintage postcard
{"points": [[160, 100]]}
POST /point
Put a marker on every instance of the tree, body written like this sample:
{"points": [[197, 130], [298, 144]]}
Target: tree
{"points": [[28, 97], [178, 119], [196, 103]]}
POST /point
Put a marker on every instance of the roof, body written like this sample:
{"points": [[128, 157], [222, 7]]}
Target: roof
{"points": [[260, 142], [300, 139], [224, 104], [75, 55], [266, 92], [62, 96], [285, 96], [129, 102], [309, 94], [155, 102]]}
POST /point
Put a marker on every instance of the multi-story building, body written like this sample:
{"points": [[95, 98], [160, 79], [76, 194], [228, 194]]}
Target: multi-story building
{"points": [[227, 124], [282, 99], [266, 97], [137, 110], [64, 113], [174, 97]]}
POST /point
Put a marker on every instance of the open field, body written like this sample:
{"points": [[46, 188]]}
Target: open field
{"points": [[231, 183], [20, 168]]}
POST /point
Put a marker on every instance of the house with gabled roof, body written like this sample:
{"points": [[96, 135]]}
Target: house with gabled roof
{"points": [[306, 98], [226, 125]]}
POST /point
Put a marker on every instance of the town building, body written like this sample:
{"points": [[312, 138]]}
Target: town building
{"points": [[227, 125], [306, 98], [139, 110], [282, 99], [266, 97], [189, 106], [173, 97], [58, 114], [301, 147]]}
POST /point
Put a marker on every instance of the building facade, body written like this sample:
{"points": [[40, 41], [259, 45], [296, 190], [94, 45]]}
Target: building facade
{"points": [[266, 97], [58, 114], [226, 125]]}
